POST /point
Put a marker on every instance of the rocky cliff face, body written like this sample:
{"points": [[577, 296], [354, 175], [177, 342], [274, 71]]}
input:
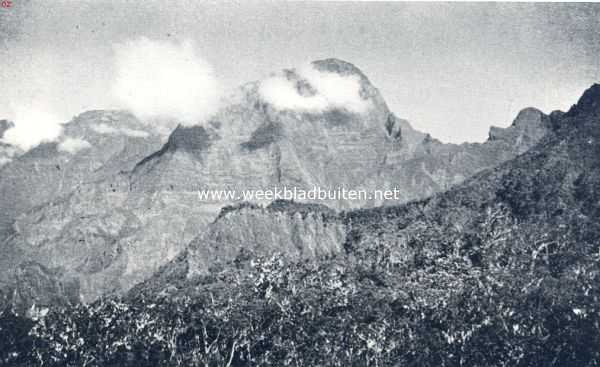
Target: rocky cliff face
{"points": [[301, 231], [120, 212]]}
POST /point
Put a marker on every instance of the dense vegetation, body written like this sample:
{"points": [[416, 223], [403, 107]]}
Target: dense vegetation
{"points": [[528, 304]]}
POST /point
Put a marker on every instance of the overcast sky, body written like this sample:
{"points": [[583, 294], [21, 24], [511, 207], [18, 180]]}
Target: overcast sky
{"points": [[452, 69]]}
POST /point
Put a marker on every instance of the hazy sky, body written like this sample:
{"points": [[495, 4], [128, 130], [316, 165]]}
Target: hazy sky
{"points": [[452, 69]]}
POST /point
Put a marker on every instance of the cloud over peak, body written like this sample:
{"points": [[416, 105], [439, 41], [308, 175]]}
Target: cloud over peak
{"points": [[310, 90], [33, 125], [159, 79]]}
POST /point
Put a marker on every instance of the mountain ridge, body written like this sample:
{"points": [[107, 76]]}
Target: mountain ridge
{"points": [[545, 199], [112, 232]]}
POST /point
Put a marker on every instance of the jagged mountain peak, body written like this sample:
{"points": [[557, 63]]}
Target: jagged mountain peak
{"points": [[335, 65], [527, 116], [261, 116], [109, 123], [323, 86], [582, 121], [588, 102], [347, 69], [529, 126], [91, 125]]}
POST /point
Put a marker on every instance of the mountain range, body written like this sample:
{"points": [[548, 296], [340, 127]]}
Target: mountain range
{"points": [[544, 201], [80, 223]]}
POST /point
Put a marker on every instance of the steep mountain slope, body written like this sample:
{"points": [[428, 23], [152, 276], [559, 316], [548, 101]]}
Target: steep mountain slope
{"points": [[264, 144], [326, 126], [96, 145], [543, 201], [301, 231], [540, 209]]}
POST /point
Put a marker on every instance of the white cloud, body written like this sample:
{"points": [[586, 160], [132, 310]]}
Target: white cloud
{"points": [[157, 79], [73, 145], [332, 91], [107, 129], [34, 124], [44, 87]]}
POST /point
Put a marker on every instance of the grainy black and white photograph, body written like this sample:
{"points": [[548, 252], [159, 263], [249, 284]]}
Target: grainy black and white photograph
{"points": [[277, 183]]}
